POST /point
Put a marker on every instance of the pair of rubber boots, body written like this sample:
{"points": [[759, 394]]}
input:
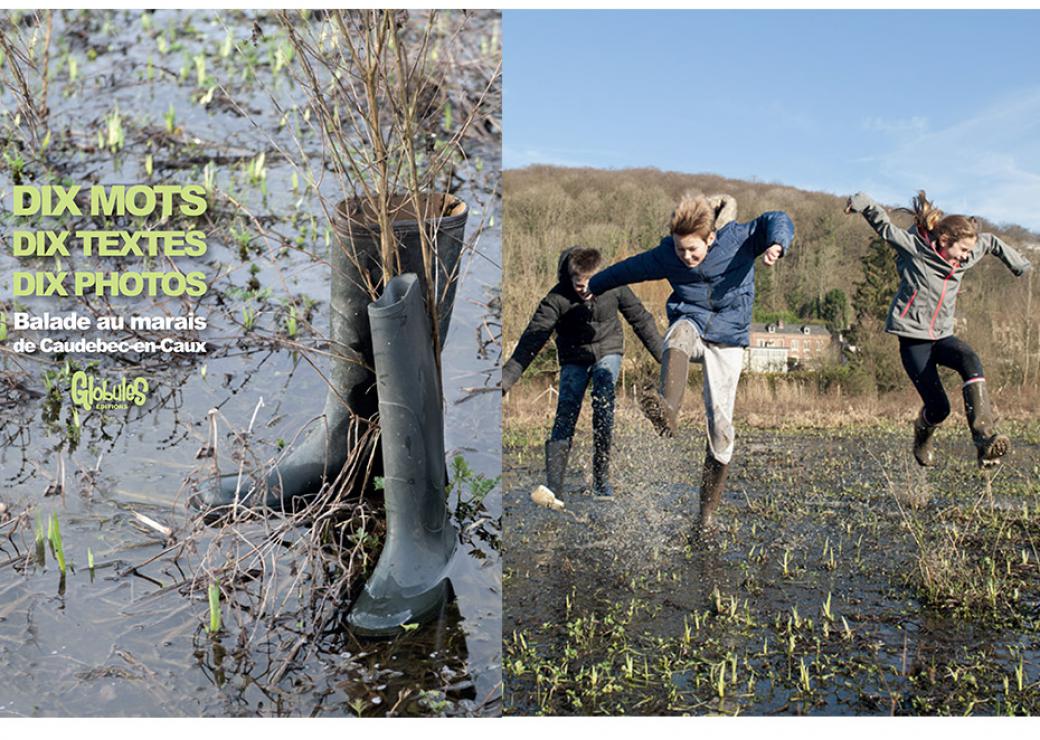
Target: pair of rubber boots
{"points": [[661, 406], [557, 452], [990, 445], [383, 373]]}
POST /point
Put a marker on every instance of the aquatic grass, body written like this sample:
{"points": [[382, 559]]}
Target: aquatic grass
{"points": [[40, 539], [256, 171], [115, 137], [214, 608], [290, 322], [170, 119], [201, 78], [804, 679], [54, 535]]}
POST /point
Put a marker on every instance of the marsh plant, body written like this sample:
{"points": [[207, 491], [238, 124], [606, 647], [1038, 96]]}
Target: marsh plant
{"points": [[25, 55], [381, 85]]}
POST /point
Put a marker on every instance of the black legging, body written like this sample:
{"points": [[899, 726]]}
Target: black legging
{"points": [[921, 358]]}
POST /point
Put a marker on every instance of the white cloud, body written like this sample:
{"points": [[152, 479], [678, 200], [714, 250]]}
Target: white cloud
{"points": [[987, 165], [914, 124], [513, 157]]}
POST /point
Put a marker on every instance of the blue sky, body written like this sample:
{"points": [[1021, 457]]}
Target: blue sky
{"points": [[881, 101]]}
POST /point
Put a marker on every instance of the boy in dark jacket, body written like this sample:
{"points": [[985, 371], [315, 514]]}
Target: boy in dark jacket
{"points": [[711, 269], [589, 344]]}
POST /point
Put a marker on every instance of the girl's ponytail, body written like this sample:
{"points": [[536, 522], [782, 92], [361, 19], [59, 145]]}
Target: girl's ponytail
{"points": [[933, 222], [926, 215]]}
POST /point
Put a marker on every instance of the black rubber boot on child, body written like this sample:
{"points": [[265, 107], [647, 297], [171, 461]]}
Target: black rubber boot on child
{"points": [[601, 487], [556, 453]]}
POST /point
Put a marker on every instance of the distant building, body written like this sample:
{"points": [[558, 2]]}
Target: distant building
{"points": [[774, 347]]}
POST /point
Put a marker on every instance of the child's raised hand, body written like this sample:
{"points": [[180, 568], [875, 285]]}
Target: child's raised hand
{"points": [[771, 255]]}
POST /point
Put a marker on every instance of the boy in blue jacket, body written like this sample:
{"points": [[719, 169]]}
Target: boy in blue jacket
{"points": [[712, 274]]}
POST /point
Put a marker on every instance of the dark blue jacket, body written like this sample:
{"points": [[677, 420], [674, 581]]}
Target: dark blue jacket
{"points": [[717, 294]]}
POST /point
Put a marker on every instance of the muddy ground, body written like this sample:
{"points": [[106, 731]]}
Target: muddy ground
{"points": [[198, 97], [844, 580]]}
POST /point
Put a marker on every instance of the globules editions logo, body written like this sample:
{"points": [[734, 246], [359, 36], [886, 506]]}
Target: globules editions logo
{"points": [[87, 393]]}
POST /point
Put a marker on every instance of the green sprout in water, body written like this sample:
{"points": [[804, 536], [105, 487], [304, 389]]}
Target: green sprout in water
{"points": [[214, 608], [290, 323], [41, 534], [256, 171], [116, 137], [55, 538]]}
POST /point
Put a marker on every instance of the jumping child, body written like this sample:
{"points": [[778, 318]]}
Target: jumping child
{"points": [[711, 268], [589, 344], [931, 259]]}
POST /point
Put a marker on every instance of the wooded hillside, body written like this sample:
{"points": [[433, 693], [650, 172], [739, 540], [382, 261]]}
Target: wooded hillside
{"points": [[837, 272]]}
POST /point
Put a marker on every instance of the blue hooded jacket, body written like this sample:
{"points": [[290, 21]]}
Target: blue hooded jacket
{"points": [[717, 294]]}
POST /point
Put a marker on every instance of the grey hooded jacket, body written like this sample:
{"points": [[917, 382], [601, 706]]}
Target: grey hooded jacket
{"points": [[923, 306]]}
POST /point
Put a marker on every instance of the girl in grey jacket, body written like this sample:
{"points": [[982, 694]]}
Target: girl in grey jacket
{"points": [[931, 259]]}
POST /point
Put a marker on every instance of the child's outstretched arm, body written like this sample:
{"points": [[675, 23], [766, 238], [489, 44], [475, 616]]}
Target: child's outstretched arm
{"points": [[537, 333], [642, 322], [771, 230], [878, 219], [1006, 253], [636, 269]]}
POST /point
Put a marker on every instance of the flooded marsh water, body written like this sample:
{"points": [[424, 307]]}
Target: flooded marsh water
{"points": [[196, 97], [843, 581]]}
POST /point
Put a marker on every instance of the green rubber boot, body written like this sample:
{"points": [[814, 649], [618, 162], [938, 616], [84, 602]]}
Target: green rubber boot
{"points": [[351, 405], [410, 582]]}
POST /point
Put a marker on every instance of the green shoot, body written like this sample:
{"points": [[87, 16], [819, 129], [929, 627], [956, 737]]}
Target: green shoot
{"points": [[55, 537], [214, 608]]}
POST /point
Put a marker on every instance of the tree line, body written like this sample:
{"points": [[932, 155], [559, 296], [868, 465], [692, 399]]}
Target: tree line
{"points": [[838, 273]]}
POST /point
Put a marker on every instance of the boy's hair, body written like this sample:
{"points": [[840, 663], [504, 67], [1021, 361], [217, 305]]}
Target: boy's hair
{"points": [[583, 260], [693, 215], [931, 220]]}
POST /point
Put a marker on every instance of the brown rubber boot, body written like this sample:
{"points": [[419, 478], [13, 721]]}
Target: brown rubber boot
{"points": [[661, 405], [712, 484], [923, 432], [991, 445]]}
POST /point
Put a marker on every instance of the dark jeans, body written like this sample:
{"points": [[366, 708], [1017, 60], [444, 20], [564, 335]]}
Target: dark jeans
{"points": [[921, 360], [574, 379]]}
